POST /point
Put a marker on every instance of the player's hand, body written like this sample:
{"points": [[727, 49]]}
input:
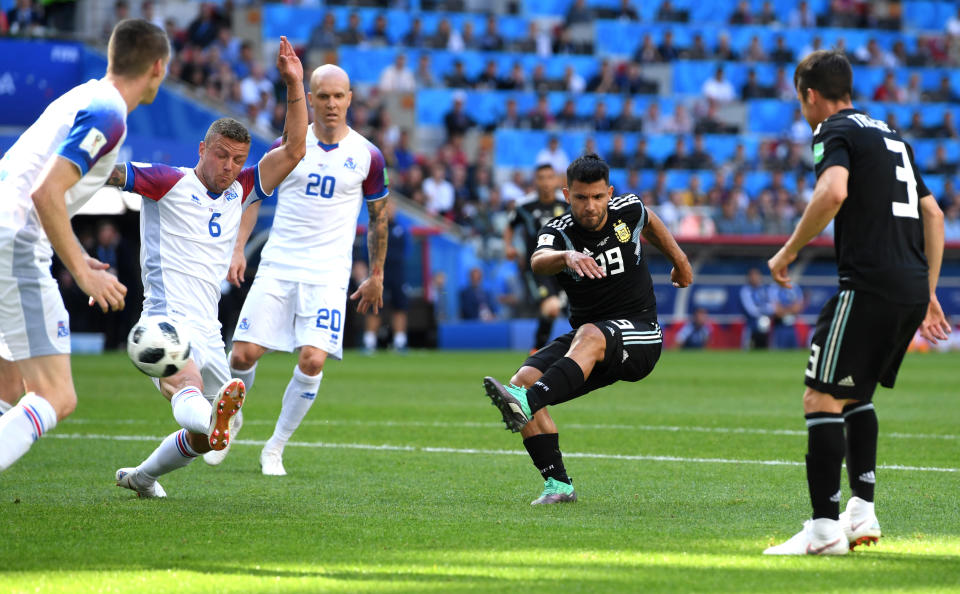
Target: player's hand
{"points": [[95, 264], [238, 266], [370, 294], [778, 267], [583, 265], [682, 277], [935, 326], [103, 288], [288, 64]]}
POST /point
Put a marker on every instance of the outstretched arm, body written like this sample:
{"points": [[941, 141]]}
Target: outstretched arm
{"points": [[828, 197], [279, 162], [657, 234], [370, 291]]}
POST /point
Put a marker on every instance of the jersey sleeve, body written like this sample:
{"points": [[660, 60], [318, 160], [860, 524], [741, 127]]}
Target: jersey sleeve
{"points": [[96, 130], [249, 180], [831, 147], [151, 180], [375, 185], [550, 238]]}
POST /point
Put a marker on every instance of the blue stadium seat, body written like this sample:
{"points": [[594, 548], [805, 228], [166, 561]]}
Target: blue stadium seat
{"points": [[769, 116]]}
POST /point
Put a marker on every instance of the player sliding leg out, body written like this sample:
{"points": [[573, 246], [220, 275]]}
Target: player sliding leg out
{"points": [[52, 170], [186, 252], [595, 253], [299, 296]]}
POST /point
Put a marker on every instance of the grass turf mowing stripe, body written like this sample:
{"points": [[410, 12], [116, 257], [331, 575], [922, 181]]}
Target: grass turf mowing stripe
{"points": [[442, 450], [566, 426]]}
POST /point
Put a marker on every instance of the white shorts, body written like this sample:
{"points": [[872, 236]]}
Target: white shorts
{"points": [[33, 320], [286, 315], [207, 351]]}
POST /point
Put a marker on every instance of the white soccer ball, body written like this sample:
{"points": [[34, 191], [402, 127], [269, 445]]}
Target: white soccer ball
{"points": [[158, 346]]}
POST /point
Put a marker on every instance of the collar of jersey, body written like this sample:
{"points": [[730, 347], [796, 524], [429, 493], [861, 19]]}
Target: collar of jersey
{"points": [[328, 147], [214, 195]]}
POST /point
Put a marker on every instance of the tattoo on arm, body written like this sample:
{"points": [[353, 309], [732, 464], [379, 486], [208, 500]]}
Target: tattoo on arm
{"points": [[119, 176], [377, 234], [292, 101]]}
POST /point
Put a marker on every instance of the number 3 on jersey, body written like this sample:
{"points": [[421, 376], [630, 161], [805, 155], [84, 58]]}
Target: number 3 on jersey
{"points": [[326, 185], [905, 174]]}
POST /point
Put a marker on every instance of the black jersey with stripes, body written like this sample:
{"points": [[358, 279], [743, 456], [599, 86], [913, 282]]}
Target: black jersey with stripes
{"points": [[878, 232], [626, 292], [531, 216]]}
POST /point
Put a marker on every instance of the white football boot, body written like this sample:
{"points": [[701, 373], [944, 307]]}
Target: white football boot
{"points": [[215, 457], [860, 523], [129, 478], [822, 536], [271, 462]]}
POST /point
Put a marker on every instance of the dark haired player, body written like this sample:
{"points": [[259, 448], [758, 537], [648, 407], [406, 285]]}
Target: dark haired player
{"points": [[889, 246], [595, 254], [528, 218]]}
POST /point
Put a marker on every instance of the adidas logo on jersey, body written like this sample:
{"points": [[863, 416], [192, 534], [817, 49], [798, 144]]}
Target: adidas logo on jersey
{"points": [[847, 381]]}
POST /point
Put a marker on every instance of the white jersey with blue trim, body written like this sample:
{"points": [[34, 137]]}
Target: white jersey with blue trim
{"points": [[317, 207], [187, 236], [87, 126]]}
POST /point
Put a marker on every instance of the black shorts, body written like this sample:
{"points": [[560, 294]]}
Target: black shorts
{"points": [[860, 340], [632, 350], [394, 293], [541, 287]]}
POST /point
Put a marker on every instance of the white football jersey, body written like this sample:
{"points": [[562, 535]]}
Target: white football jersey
{"points": [[187, 236], [87, 126], [317, 207]]}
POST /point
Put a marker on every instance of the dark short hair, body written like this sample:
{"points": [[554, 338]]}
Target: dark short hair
{"points": [[587, 169], [228, 128], [827, 72], [135, 44], [542, 166]]}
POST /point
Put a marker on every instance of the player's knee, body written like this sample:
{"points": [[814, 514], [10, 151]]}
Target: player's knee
{"points": [[311, 364], [243, 356], [815, 401]]}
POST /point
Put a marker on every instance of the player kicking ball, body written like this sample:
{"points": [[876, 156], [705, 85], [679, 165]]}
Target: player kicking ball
{"points": [[594, 251], [888, 233], [188, 226]]}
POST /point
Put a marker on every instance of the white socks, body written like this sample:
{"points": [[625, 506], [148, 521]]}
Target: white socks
{"points": [[370, 341], [22, 425], [245, 375], [400, 341], [297, 400], [191, 410], [173, 452]]}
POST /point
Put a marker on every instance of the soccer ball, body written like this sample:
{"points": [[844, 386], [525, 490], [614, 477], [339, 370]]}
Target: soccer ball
{"points": [[158, 346]]}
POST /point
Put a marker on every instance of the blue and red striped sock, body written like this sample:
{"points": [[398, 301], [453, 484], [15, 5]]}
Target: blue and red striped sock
{"points": [[22, 425]]}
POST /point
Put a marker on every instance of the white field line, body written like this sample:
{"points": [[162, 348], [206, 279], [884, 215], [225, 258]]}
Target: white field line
{"points": [[565, 426], [443, 450]]}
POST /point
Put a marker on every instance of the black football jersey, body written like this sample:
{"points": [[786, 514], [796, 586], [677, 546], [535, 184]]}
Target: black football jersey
{"points": [[878, 232], [530, 217], [627, 290]]}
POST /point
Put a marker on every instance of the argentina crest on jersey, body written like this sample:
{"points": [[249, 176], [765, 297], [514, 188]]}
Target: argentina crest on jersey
{"points": [[622, 231]]}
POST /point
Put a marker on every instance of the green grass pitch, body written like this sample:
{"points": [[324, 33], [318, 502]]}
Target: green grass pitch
{"points": [[403, 480]]}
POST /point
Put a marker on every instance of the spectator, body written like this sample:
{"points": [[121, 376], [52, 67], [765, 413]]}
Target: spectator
{"points": [[458, 78], [604, 81], [415, 38], [514, 189], [466, 41], [516, 80], [403, 157], [783, 88], [599, 121], [626, 121], [913, 93], [653, 123], [324, 35], [353, 35], [724, 52], [568, 118], [618, 158], [731, 220], [633, 82], [799, 129], [572, 81], [148, 13], [539, 82], [204, 28], [511, 117], [489, 79], [698, 50], [941, 165], [491, 41], [578, 13], [710, 122], [755, 51], [668, 14], [680, 158], [767, 16], [668, 52], [943, 93], [477, 302], [397, 77], [788, 304], [554, 154], [752, 89], [626, 12], [802, 17], [946, 128], [536, 41], [445, 37], [951, 222], [438, 191], [680, 122], [695, 333], [699, 157], [741, 14], [25, 19], [756, 299], [718, 88], [953, 24], [872, 54], [424, 74], [640, 159], [781, 54], [540, 118], [254, 86], [647, 52]]}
